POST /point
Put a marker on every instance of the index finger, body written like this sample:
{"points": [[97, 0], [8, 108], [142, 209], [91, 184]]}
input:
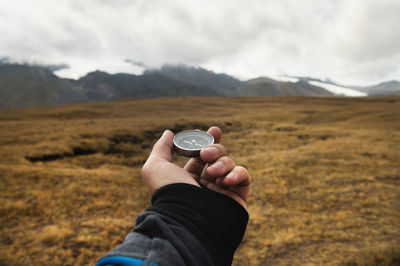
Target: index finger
{"points": [[216, 133]]}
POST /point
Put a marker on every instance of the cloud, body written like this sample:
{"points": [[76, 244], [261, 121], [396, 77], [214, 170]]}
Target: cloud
{"points": [[51, 67], [56, 67], [368, 32], [353, 41], [135, 63]]}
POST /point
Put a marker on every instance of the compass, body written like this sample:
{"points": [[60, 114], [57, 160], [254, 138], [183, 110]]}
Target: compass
{"points": [[189, 143]]}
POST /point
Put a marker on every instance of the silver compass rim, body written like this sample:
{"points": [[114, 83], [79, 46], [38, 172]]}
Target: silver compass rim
{"points": [[190, 152]]}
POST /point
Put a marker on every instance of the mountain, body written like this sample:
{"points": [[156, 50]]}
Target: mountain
{"points": [[23, 85], [268, 87], [101, 86], [385, 88], [334, 88], [222, 84], [30, 86]]}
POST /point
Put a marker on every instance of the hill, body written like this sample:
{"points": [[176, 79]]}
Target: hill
{"points": [[325, 173], [24, 86], [332, 87], [28, 86], [222, 84], [101, 86], [382, 89], [269, 87]]}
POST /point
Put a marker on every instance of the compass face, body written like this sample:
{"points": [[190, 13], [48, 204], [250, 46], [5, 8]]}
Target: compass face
{"points": [[189, 143]]}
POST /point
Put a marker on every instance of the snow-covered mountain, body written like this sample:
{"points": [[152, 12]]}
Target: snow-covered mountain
{"points": [[334, 88], [338, 90]]}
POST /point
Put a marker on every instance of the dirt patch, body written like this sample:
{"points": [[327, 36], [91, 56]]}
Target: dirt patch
{"points": [[76, 151]]}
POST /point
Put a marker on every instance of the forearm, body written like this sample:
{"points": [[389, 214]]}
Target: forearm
{"points": [[186, 225]]}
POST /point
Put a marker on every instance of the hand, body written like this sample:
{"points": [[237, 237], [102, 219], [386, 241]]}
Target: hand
{"points": [[214, 169]]}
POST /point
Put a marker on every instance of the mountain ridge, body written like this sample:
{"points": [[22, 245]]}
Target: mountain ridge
{"points": [[219, 82], [391, 87], [264, 86], [24, 85]]}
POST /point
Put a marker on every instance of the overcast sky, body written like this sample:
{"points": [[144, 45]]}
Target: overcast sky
{"points": [[349, 41]]}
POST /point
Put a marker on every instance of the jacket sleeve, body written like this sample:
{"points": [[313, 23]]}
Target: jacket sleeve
{"points": [[186, 225]]}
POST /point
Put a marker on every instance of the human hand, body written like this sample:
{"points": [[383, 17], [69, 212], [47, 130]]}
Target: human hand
{"points": [[214, 169]]}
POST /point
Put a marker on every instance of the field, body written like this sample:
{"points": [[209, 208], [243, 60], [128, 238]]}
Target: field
{"points": [[326, 176]]}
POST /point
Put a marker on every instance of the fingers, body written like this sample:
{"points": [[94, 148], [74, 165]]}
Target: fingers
{"points": [[220, 167], [163, 147], [216, 133], [212, 153], [217, 170], [238, 176], [195, 166], [226, 173]]}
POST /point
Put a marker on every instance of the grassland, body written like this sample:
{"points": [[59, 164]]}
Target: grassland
{"points": [[326, 176]]}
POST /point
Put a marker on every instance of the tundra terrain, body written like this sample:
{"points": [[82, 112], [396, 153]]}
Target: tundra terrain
{"points": [[325, 173]]}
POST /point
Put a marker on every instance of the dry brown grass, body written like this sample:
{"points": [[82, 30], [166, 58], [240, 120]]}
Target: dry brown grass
{"points": [[326, 176]]}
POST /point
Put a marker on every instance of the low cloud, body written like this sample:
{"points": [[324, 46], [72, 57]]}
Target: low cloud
{"points": [[350, 41], [135, 63], [51, 67]]}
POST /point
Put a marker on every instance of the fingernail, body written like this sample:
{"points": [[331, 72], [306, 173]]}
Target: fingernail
{"points": [[217, 165], [212, 150], [231, 175]]}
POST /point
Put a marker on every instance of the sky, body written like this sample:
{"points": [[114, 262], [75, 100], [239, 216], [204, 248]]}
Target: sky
{"points": [[352, 42]]}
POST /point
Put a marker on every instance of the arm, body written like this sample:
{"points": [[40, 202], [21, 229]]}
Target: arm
{"points": [[189, 223]]}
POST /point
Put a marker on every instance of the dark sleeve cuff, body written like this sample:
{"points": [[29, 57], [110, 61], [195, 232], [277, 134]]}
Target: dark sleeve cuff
{"points": [[218, 221]]}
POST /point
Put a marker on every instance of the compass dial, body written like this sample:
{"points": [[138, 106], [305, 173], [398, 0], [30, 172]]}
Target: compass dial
{"points": [[189, 143]]}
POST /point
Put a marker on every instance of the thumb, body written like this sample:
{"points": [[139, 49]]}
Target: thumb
{"points": [[163, 149]]}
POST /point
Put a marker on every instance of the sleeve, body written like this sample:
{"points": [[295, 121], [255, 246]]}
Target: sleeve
{"points": [[186, 225]]}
